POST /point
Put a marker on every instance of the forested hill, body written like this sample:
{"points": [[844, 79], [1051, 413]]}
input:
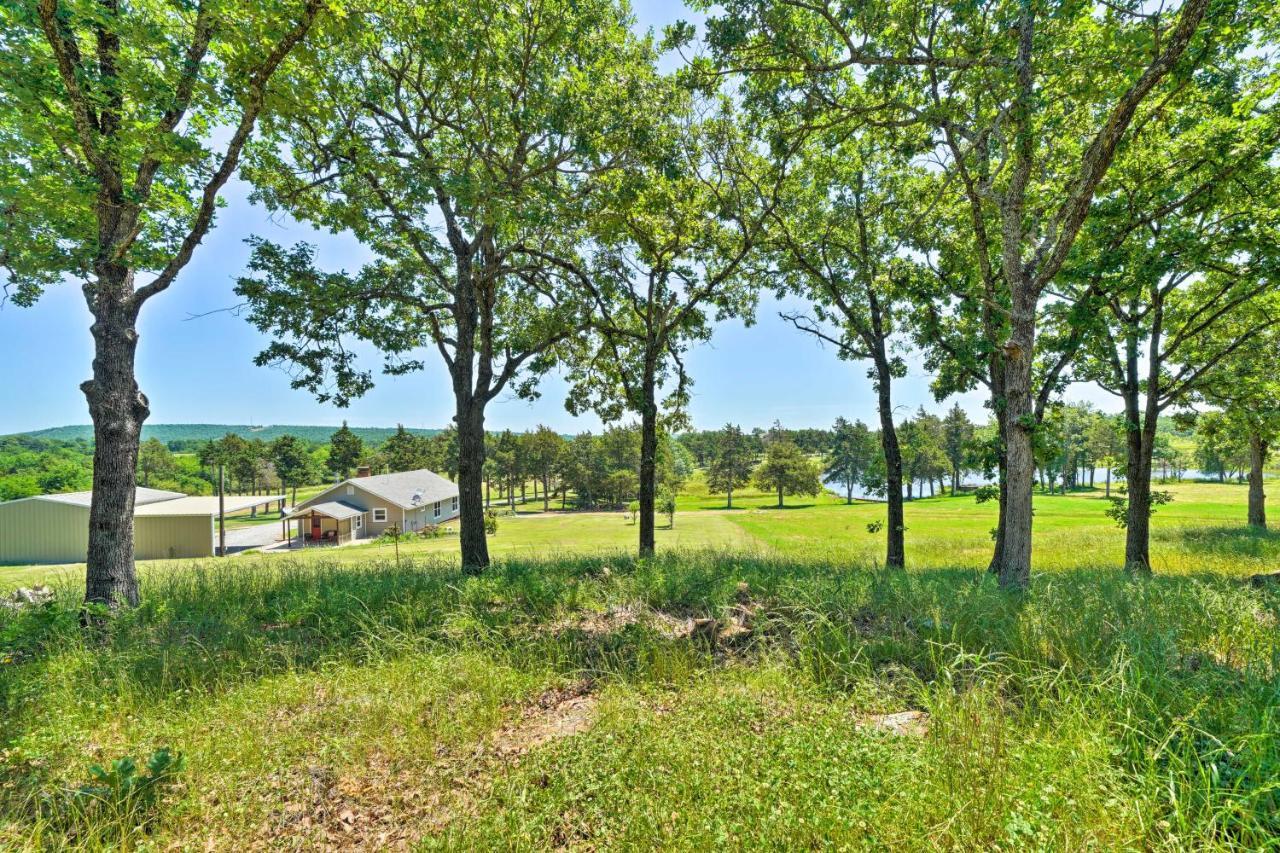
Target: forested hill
{"points": [[179, 435]]}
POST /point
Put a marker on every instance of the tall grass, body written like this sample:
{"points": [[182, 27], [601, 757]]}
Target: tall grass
{"points": [[1095, 710]]}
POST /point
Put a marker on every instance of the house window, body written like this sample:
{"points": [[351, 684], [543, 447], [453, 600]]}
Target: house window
{"points": [[380, 514], [437, 509], [351, 490], [455, 503], [359, 522]]}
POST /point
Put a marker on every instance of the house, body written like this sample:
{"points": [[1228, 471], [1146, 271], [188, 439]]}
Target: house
{"points": [[365, 506], [166, 525]]}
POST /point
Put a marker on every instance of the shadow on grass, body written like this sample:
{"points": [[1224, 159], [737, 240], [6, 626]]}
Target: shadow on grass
{"points": [[1222, 541]]}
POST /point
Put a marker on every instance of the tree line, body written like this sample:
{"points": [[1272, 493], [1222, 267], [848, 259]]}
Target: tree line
{"points": [[954, 178]]}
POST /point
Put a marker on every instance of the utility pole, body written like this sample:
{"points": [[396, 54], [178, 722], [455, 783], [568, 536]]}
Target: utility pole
{"points": [[222, 515]]}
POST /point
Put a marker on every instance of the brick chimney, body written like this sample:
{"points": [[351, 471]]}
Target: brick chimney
{"points": [[363, 471]]}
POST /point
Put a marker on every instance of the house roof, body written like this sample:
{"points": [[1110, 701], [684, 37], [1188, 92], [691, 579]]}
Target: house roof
{"points": [[143, 497], [402, 487], [337, 510], [205, 504]]}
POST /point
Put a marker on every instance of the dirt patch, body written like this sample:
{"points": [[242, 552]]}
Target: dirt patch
{"points": [[596, 624], [557, 713], [901, 724], [736, 624]]}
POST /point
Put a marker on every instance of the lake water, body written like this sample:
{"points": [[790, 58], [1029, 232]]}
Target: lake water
{"points": [[973, 480]]}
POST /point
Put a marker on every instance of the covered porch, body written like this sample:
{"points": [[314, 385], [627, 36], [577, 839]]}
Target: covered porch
{"points": [[331, 523]]}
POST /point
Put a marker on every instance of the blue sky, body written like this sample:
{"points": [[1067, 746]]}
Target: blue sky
{"points": [[197, 367]]}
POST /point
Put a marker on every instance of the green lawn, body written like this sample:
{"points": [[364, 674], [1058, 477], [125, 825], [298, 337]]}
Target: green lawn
{"points": [[1201, 531]]}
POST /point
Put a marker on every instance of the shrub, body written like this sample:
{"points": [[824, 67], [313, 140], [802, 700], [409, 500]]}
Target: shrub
{"points": [[490, 522], [667, 506], [124, 797]]}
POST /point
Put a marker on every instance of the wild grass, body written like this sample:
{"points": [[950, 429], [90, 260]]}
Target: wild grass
{"points": [[335, 703]]}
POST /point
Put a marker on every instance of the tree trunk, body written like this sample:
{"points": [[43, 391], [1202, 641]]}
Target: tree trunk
{"points": [[648, 455], [1002, 468], [1019, 416], [895, 548], [118, 409], [471, 535], [779, 495], [1137, 556], [1257, 497], [1108, 481], [546, 492], [1140, 440], [848, 493]]}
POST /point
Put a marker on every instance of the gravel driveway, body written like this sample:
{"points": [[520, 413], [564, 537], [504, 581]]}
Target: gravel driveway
{"points": [[248, 538]]}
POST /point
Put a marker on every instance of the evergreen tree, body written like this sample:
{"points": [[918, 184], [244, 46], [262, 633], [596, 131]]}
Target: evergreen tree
{"points": [[544, 448], [787, 470], [957, 435], [345, 451], [404, 451], [852, 455], [731, 464], [293, 463]]}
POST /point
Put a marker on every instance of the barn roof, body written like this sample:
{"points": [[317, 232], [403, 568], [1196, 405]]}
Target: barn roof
{"points": [[143, 497], [206, 504]]}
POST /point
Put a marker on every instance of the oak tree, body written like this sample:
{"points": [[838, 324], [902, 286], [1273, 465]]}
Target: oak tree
{"points": [[457, 143], [122, 124]]}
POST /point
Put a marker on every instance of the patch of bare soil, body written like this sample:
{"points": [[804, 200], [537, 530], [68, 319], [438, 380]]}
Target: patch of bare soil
{"points": [[596, 624], [558, 713], [386, 804], [902, 724], [734, 626]]}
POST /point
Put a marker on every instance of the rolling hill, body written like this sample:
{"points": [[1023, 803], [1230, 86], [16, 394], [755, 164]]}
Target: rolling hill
{"points": [[205, 432]]}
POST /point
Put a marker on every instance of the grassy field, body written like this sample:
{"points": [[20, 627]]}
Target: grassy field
{"points": [[567, 698], [1201, 531]]}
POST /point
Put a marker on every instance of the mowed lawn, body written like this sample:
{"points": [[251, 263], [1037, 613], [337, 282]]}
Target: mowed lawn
{"points": [[1201, 531]]}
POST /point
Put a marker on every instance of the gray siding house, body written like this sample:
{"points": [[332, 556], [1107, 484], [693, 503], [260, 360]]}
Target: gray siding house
{"points": [[365, 506]]}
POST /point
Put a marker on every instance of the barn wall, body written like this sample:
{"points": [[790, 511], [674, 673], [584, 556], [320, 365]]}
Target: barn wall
{"points": [[43, 532], [166, 537]]}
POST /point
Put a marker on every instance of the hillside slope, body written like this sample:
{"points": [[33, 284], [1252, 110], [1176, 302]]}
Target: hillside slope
{"points": [[206, 432]]}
